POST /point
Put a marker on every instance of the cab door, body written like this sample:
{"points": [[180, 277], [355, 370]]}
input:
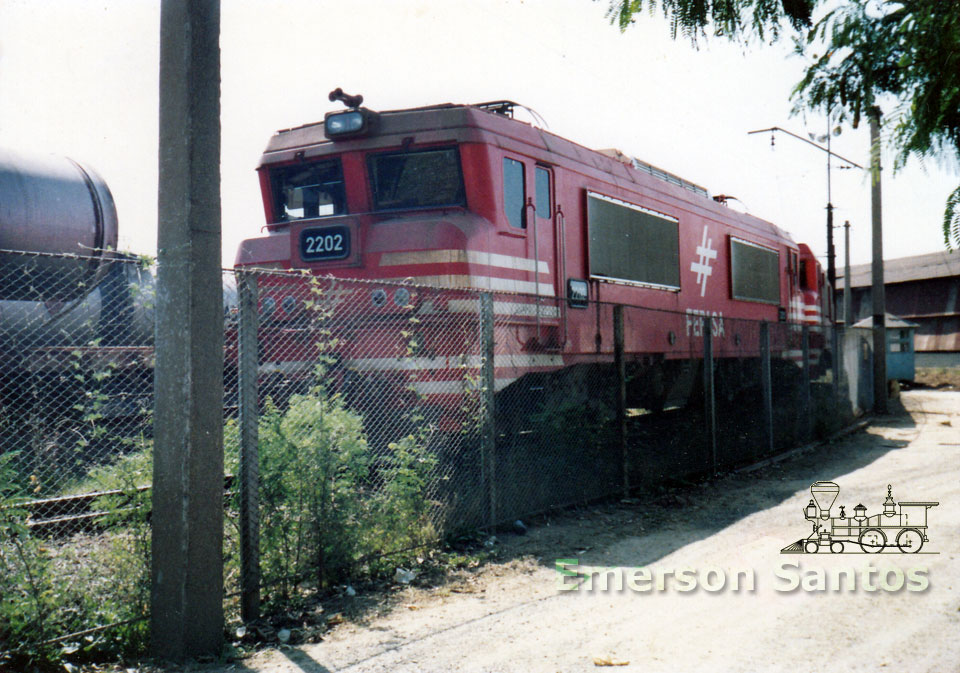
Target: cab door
{"points": [[544, 236]]}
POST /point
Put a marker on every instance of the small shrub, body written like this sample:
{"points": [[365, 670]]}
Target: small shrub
{"points": [[313, 465], [27, 595], [401, 512], [51, 588], [327, 501]]}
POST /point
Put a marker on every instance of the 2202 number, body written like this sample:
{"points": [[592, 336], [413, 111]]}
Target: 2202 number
{"points": [[324, 243], [318, 245]]}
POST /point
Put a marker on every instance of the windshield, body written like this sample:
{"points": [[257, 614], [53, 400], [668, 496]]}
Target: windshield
{"points": [[312, 190], [417, 179]]}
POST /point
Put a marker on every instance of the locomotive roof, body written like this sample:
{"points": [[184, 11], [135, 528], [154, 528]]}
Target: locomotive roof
{"points": [[475, 123]]}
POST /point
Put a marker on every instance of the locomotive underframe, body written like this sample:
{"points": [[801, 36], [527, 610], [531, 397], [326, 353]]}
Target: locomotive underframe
{"points": [[871, 538]]}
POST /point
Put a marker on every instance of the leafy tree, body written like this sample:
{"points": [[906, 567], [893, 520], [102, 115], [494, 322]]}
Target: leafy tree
{"points": [[908, 50], [734, 19]]}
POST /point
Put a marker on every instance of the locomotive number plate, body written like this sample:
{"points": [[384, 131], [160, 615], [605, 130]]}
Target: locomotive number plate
{"points": [[324, 243]]}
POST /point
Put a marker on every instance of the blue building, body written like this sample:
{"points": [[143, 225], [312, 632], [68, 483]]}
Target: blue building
{"points": [[924, 291]]}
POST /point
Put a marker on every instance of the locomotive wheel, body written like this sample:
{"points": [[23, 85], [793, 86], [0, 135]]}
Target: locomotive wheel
{"points": [[836, 547], [909, 540], [872, 540], [811, 546]]}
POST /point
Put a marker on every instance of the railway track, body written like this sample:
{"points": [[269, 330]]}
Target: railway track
{"points": [[69, 514]]}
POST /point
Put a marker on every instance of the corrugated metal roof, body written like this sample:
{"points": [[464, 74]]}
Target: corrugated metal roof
{"points": [[890, 321], [905, 269], [938, 334]]}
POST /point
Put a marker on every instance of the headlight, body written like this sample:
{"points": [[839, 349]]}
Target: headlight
{"points": [[343, 123], [267, 307], [349, 124], [401, 297], [378, 297], [289, 305]]}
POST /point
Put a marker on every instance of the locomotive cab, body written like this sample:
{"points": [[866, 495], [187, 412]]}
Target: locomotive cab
{"points": [[814, 289], [421, 196]]}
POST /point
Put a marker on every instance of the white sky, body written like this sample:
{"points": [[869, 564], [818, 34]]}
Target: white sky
{"points": [[80, 78]]}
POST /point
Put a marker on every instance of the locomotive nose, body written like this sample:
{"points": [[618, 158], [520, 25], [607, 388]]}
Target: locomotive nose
{"points": [[825, 494]]}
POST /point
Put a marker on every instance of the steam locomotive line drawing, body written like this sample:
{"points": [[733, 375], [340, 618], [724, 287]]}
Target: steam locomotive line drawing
{"points": [[469, 197], [901, 526]]}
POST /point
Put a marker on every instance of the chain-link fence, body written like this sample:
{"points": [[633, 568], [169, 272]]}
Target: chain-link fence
{"points": [[76, 379], [440, 409], [362, 421]]}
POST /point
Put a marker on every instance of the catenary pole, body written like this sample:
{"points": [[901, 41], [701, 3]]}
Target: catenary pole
{"points": [[831, 250], [847, 289], [877, 291]]}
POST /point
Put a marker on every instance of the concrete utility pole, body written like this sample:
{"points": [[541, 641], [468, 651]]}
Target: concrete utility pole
{"points": [[831, 251], [877, 291], [186, 615], [847, 289]]}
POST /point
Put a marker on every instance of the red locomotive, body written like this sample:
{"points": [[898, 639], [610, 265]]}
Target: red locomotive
{"points": [[466, 196]]}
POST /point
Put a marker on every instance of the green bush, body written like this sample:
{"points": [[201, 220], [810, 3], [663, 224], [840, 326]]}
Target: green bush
{"points": [[313, 463], [400, 516], [25, 588], [327, 501], [51, 588]]}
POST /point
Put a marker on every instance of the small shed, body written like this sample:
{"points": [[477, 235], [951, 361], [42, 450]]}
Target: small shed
{"points": [[900, 348]]}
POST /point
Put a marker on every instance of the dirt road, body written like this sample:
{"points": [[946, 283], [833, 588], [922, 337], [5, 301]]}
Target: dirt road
{"points": [[511, 616]]}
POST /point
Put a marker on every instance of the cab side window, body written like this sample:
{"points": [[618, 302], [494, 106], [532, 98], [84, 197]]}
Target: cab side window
{"points": [[543, 192], [514, 193]]}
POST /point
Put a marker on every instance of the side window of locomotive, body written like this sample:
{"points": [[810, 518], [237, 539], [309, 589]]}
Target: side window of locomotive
{"points": [[304, 191], [543, 192], [514, 193], [754, 272], [804, 285], [632, 244], [416, 179]]}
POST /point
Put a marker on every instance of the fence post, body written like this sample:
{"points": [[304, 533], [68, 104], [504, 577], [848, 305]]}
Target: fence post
{"points": [[807, 406], [709, 400], [835, 362], [247, 400], [621, 368], [766, 385], [488, 449]]}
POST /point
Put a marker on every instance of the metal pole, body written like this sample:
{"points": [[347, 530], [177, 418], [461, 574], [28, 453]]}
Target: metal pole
{"points": [[766, 386], [835, 362], [248, 369], [186, 598], [831, 252], [620, 366], [847, 288], [709, 400], [877, 292], [805, 393], [488, 451]]}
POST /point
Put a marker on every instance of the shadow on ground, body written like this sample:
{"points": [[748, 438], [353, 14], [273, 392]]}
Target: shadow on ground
{"points": [[668, 516], [672, 515]]}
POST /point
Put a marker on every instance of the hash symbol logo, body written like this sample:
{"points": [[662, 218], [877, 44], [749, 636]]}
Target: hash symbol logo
{"points": [[702, 266]]}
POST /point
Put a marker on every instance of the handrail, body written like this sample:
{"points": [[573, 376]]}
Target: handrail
{"points": [[536, 261], [561, 268]]}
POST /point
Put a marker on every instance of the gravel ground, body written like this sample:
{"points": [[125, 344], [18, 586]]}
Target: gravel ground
{"points": [[510, 616]]}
